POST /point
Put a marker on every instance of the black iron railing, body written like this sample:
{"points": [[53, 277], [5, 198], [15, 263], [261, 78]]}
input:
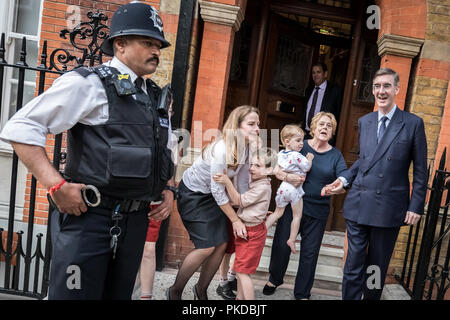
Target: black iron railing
{"points": [[83, 38], [425, 275]]}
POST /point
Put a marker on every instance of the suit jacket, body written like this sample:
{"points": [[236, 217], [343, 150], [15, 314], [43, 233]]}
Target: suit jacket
{"points": [[380, 192], [332, 99]]}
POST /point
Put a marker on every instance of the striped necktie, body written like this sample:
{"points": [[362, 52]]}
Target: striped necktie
{"points": [[382, 128]]}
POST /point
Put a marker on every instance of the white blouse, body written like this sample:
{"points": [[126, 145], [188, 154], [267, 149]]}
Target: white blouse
{"points": [[199, 177]]}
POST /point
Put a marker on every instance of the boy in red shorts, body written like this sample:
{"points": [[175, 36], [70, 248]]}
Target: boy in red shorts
{"points": [[253, 207]]}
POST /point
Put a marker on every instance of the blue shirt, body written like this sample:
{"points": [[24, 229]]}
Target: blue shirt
{"points": [[326, 167]]}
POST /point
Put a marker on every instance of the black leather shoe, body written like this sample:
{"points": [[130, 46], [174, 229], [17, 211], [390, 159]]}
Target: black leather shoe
{"points": [[268, 290], [233, 284], [226, 292]]}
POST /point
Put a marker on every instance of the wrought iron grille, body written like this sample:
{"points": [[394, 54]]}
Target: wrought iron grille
{"points": [[425, 272], [85, 51]]}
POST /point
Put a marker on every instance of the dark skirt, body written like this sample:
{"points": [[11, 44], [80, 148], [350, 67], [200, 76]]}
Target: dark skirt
{"points": [[205, 222]]}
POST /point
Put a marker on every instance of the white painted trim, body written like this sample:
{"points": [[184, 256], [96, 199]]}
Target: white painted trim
{"points": [[220, 13], [399, 45], [9, 56]]}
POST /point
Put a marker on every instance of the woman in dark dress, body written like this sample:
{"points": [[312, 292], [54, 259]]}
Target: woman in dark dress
{"points": [[327, 165], [203, 204]]}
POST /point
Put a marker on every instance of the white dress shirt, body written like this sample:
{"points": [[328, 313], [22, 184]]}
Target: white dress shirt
{"points": [[321, 93], [389, 116], [199, 177], [71, 99]]}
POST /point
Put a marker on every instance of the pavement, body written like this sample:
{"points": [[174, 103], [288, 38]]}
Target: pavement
{"points": [[166, 277]]}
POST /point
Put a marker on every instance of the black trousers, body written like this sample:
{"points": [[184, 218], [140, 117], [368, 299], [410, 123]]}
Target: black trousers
{"points": [[369, 252], [82, 266], [311, 231]]}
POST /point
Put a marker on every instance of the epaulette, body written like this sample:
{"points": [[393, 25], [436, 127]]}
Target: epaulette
{"points": [[102, 71]]}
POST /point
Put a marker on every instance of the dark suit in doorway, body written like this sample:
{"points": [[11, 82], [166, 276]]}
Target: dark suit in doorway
{"points": [[331, 102]]}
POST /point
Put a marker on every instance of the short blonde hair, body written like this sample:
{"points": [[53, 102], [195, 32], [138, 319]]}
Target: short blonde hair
{"points": [[316, 119], [289, 131]]}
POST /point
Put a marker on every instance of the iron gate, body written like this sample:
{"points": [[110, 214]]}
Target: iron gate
{"points": [[425, 275], [84, 38]]}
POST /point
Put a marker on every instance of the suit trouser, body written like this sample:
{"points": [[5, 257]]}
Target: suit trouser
{"points": [[82, 266], [311, 230], [369, 252]]}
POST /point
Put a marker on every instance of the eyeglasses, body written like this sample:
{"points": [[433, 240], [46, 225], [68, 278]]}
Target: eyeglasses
{"points": [[386, 86]]}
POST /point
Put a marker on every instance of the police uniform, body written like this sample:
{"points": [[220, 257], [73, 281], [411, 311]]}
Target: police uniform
{"points": [[116, 141]]}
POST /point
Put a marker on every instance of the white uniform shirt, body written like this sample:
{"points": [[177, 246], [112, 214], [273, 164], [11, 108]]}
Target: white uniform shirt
{"points": [[199, 177], [71, 99]]}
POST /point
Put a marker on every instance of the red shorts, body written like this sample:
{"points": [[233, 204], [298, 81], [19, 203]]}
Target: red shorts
{"points": [[230, 245], [153, 227], [248, 252], [153, 230]]}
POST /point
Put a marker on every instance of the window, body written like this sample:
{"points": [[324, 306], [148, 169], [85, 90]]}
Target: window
{"points": [[19, 18]]}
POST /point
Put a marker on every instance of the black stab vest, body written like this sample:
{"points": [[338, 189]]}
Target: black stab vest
{"points": [[126, 157]]}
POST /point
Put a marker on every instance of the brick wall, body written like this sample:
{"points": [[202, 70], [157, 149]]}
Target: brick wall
{"points": [[403, 17]]}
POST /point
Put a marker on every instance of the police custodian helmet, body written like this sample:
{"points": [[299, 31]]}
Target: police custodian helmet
{"points": [[135, 18]]}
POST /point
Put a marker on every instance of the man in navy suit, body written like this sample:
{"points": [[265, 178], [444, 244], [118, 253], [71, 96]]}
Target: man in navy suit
{"points": [[379, 201], [323, 96]]}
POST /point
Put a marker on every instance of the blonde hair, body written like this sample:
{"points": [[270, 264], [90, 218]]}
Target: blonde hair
{"points": [[319, 115], [229, 136], [289, 131]]}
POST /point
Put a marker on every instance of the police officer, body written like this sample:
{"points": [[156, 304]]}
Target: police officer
{"points": [[117, 142]]}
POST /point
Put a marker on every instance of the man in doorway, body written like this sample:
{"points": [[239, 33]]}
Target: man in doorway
{"points": [[379, 201], [323, 96]]}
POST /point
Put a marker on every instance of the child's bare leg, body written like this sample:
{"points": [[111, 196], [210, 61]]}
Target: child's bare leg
{"points": [[240, 291], [148, 267], [271, 219], [297, 210], [246, 285]]}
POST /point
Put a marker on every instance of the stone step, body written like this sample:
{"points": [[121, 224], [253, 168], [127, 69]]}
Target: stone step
{"points": [[326, 277], [329, 256], [329, 265], [330, 238]]}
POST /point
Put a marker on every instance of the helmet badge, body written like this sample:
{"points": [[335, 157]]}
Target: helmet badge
{"points": [[157, 22]]}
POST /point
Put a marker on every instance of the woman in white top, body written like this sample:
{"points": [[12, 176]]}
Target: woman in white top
{"points": [[203, 204]]}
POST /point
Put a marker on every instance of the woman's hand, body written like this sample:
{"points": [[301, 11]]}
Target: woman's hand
{"points": [[337, 187], [292, 178], [295, 179], [239, 229]]}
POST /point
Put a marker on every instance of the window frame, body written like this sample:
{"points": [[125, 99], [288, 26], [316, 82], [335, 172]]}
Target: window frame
{"points": [[6, 26]]}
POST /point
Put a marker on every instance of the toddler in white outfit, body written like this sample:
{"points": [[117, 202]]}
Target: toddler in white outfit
{"points": [[291, 161]]}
